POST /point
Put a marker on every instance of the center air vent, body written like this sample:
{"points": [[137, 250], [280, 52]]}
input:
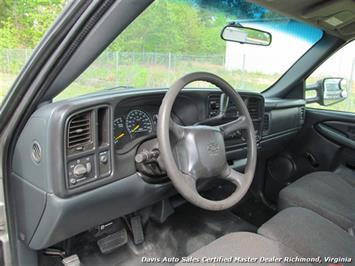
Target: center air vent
{"points": [[253, 107], [79, 131], [266, 122], [302, 115], [213, 104]]}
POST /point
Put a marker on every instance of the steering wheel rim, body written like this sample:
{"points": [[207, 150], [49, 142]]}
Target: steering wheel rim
{"points": [[209, 152]]}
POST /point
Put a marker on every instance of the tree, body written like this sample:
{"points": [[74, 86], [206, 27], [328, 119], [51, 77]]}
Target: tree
{"points": [[23, 22], [173, 26]]}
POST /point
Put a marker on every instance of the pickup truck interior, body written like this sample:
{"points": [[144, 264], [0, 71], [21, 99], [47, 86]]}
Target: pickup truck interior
{"points": [[197, 171]]}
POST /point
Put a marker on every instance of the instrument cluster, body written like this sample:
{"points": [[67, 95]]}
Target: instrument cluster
{"points": [[133, 125]]}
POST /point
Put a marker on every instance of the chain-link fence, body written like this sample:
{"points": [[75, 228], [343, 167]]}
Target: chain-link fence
{"points": [[113, 69], [12, 60], [139, 69], [143, 69]]}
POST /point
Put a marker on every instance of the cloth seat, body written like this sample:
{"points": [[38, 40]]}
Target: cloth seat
{"points": [[329, 194], [299, 235], [310, 235], [240, 247]]}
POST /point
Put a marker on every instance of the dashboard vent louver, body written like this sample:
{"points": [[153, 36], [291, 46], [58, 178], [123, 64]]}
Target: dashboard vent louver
{"points": [[253, 108], [266, 122], [79, 130], [302, 114]]}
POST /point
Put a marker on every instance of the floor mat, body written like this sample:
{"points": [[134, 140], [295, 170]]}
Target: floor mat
{"points": [[253, 211], [187, 230]]}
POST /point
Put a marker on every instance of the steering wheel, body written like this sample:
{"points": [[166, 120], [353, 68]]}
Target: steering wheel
{"points": [[190, 153]]}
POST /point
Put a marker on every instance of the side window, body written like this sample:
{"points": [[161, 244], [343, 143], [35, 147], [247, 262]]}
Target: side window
{"points": [[332, 85], [22, 25]]}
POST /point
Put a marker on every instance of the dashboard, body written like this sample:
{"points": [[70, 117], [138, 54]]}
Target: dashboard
{"points": [[136, 120], [103, 140], [76, 158]]}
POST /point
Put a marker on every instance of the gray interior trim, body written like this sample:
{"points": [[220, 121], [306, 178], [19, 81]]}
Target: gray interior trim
{"points": [[279, 103], [63, 218], [336, 136], [320, 13]]}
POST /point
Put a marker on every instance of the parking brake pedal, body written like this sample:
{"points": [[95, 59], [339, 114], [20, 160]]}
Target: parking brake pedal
{"points": [[137, 229], [113, 241]]}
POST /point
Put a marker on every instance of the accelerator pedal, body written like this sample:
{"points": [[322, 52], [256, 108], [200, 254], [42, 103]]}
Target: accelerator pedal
{"points": [[137, 229]]}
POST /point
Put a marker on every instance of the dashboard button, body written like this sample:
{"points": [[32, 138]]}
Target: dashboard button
{"points": [[105, 165], [88, 167], [103, 158]]}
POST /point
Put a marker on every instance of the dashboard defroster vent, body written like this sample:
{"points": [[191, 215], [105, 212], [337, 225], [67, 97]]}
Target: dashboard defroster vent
{"points": [[79, 130]]}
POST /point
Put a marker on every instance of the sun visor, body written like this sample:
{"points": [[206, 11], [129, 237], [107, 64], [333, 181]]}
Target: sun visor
{"points": [[334, 16]]}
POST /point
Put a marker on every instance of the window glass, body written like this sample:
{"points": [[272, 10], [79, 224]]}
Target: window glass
{"points": [[339, 65], [172, 38], [22, 25]]}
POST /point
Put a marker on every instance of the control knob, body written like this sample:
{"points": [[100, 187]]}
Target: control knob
{"points": [[80, 170]]}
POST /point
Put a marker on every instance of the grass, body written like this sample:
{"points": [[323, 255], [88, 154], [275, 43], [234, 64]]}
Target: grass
{"points": [[157, 76], [104, 74]]}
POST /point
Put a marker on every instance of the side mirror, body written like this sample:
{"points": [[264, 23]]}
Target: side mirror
{"points": [[237, 33], [329, 91]]}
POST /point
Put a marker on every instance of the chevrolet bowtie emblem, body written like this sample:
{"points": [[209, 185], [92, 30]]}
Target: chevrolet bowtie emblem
{"points": [[213, 148]]}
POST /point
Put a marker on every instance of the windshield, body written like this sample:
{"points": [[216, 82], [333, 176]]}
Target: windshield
{"points": [[173, 38]]}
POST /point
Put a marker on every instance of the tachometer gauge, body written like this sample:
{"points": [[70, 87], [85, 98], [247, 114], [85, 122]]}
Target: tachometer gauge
{"points": [[120, 135], [138, 123]]}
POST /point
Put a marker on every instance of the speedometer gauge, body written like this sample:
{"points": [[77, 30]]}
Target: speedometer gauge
{"points": [[138, 123]]}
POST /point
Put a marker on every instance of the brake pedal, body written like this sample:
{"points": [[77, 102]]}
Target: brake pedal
{"points": [[111, 242], [137, 229]]}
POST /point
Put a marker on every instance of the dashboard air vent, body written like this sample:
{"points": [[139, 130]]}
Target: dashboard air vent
{"points": [[79, 130], [302, 114], [253, 107], [266, 122]]}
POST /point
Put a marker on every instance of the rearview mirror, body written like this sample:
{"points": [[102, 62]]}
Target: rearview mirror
{"points": [[238, 33], [329, 91]]}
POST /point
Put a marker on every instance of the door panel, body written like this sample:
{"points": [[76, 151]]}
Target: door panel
{"points": [[326, 141], [338, 132], [329, 136]]}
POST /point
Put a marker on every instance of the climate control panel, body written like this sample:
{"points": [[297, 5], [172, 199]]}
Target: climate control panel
{"points": [[81, 171]]}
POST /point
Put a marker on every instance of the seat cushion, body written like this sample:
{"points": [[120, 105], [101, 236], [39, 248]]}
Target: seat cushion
{"points": [[239, 247], [330, 195], [309, 234]]}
